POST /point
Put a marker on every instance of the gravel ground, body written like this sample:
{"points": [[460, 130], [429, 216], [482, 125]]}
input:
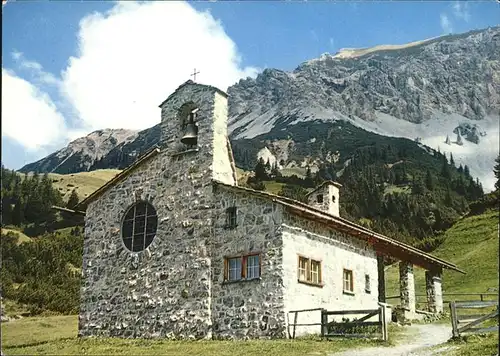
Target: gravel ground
{"points": [[418, 340]]}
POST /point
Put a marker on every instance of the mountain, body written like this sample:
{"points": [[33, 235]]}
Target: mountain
{"points": [[443, 93], [441, 90], [82, 153]]}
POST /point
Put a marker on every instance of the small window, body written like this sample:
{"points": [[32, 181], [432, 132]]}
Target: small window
{"points": [[242, 268], [309, 271], [367, 283], [333, 198], [231, 217], [348, 281], [319, 198]]}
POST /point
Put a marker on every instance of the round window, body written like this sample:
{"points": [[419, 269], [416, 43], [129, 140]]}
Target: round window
{"points": [[139, 226]]}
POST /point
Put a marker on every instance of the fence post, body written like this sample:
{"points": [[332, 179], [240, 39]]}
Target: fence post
{"points": [[324, 323], [481, 297], [454, 321], [294, 324], [383, 317]]}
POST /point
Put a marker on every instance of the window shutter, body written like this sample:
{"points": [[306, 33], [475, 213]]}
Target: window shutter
{"points": [[226, 269]]}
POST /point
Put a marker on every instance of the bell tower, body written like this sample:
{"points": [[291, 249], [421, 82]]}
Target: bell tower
{"points": [[194, 128]]}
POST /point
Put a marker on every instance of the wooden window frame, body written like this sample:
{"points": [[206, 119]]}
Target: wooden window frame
{"points": [[231, 218], [309, 261], [243, 261], [368, 287], [350, 273]]}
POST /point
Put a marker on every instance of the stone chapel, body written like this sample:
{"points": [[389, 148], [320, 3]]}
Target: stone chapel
{"points": [[174, 248]]}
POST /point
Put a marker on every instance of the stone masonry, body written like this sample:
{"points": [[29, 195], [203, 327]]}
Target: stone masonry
{"points": [[165, 290], [407, 288], [434, 291], [248, 308]]}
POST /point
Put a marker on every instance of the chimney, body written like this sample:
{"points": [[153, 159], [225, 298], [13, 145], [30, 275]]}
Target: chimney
{"points": [[326, 197]]}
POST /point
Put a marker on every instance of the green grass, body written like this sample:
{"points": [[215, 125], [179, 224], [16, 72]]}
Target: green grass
{"points": [[298, 171], [85, 182], [30, 331], [391, 189], [475, 345], [472, 244], [13, 308], [273, 187], [57, 335], [20, 236]]}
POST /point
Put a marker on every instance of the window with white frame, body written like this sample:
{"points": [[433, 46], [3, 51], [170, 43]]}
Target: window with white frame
{"points": [[309, 271], [242, 267], [348, 281]]}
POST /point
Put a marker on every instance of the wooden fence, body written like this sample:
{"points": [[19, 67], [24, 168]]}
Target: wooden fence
{"points": [[355, 327], [468, 321], [344, 329], [295, 324]]}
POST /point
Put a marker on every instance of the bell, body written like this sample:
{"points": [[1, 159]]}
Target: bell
{"points": [[190, 137]]}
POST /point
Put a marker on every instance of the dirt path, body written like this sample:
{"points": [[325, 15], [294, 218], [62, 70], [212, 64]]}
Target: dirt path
{"points": [[416, 342]]}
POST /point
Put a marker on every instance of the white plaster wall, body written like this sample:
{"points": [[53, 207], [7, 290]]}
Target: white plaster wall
{"points": [[335, 253], [222, 169]]}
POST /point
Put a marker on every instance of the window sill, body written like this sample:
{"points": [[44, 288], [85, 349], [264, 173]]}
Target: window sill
{"points": [[242, 280], [319, 285], [348, 292], [184, 152]]}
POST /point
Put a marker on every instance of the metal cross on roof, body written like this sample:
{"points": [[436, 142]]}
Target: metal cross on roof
{"points": [[194, 74]]}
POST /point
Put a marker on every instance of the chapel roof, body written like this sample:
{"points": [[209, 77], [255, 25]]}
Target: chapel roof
{"points": [[382, 244], [190, 82]]}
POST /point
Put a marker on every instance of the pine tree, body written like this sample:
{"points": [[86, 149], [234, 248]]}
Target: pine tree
{"points": [[459, 139], [466, 171], [429, 181], [452, 161], [445, 169], [496, 170], [260, 170], [448, 142], [73, 199]]}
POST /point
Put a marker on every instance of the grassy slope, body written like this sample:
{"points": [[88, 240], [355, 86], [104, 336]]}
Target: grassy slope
{"points": [[472, 244], [86, 182], [20, 236], [57, 335]]}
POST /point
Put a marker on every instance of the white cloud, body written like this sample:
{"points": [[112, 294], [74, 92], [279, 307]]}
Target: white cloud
{"points": [[461, 10], [131, 58], [35, 69], [28, 115], [446, 24]]}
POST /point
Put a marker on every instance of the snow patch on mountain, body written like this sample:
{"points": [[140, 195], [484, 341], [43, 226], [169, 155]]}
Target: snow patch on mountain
{"points": [[479, 157]]}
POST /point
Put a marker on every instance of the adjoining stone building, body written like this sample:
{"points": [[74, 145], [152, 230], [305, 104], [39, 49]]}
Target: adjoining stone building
{"points": [[174, 248]]}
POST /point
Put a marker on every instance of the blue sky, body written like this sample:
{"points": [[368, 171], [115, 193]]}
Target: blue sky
{"points": [[65, 76]]}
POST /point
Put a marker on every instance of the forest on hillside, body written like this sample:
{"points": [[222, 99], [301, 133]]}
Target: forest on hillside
{"points": [[42, 271]]}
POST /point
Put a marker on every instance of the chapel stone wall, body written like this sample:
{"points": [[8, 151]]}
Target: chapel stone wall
{"points": [[165, 290], [252, 308]]}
